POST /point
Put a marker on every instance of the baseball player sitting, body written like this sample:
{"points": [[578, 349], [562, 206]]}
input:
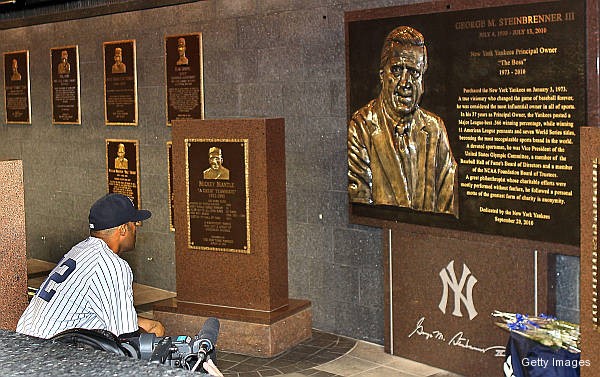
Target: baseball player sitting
{"points": [[91, 286]]}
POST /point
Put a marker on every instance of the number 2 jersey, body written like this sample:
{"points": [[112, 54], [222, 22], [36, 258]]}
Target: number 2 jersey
{"points": [[90, 288]]}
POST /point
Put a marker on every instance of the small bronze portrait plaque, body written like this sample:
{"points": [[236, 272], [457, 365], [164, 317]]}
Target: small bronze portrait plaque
{"points": [[122, 168], [120, 84], [217, 194], [183, 68], [65, 85], [171, 195], [17, 88]]}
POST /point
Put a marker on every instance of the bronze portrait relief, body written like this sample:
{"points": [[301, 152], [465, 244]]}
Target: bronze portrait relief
{"points": [[216, 169], [183, 60], [15, 76], [64, 68], [399, 153], [121, 161], [119, 66]]}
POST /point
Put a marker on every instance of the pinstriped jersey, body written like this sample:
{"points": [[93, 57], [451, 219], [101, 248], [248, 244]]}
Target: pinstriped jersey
{"points": [[91, 288]]}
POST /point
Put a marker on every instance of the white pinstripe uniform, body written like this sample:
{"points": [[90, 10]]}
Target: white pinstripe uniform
{"points": [[91, 288]]}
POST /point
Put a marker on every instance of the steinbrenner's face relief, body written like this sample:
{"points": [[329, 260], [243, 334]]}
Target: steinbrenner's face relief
{"points": [[402, 79]]}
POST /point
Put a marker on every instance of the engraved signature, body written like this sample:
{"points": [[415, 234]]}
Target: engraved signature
{"points": [[458, 340]]}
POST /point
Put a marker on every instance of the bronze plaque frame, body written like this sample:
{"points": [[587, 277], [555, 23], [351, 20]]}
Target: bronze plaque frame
{"points": [[184, 95], [65, 86], [217, 207], [17, 96], [594, 251], [120, 84], [459, 39], [121, 179], [170, 183]]}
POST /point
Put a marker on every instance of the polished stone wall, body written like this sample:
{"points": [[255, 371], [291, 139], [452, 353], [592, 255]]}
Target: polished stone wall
{"points": [[262, 58]]}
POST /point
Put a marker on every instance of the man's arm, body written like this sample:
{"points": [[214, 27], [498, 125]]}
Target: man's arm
{"points": [[151, 326], [359, 164]]}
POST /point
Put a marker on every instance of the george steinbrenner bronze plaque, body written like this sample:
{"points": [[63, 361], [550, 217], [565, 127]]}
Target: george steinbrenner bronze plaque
{"points": [[480, 132], [64, 65], [183, 70], [120, 84], [17, 88], [217, 194], [122, 169]]}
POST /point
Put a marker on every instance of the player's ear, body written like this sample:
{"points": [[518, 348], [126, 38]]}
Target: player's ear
{"points": [[122, 229]]}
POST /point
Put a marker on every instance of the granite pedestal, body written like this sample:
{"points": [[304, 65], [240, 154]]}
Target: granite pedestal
{"points": [[231, 236], [13, 263]]}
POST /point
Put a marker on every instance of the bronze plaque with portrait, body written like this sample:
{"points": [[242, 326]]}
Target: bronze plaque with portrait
{"points": [[217, 194], [122, 169], [120, 84], [183, 68], [468, 119], [16, 87], [171, 195], [64, 65]]}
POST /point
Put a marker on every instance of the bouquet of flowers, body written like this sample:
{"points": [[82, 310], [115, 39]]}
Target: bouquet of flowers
{"points": [[543, 329]]}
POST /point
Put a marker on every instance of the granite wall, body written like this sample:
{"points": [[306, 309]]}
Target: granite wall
{"points": [[262, 58]]}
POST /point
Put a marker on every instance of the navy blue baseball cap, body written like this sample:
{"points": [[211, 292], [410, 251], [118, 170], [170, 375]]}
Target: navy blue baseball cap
{"points": [[113, 210]]}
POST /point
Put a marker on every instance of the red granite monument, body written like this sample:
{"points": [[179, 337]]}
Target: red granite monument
{"points": [[231, 236], [13, 279]]}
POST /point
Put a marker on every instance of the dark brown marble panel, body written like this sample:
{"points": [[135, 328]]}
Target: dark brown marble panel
{"points": [[588, 291]]}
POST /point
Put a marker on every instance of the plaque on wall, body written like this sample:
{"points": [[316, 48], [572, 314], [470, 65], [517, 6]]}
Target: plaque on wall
{"points": [[120, 84], [64, 65], [183, 69], [171, 196], [217, 194], [16, 87], [122, 169], [498, 93]]}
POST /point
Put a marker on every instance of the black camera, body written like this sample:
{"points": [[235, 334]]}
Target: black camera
{"points": [[181, 351]]}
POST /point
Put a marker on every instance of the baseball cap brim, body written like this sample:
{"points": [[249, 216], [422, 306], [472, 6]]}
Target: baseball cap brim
{"points": [[141, 215]]}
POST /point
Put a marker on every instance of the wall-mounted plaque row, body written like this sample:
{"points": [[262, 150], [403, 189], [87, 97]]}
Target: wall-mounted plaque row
{"points": [[183, 81]]}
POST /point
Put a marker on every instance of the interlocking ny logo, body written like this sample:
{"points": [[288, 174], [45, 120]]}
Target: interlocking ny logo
{"points": [[449, 280]]}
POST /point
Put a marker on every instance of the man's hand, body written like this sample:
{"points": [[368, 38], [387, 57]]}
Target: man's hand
{"points": [[151, 326]]}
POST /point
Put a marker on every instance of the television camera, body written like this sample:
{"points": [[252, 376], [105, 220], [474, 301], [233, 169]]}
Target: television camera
{"points": [[181, 351]]}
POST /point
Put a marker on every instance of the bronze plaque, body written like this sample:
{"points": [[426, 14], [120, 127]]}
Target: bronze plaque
{"points": [[16, 87], [183, 68], [120, 84], [481, 131], [64, 65], [217, 194], [171, 195], [122, 169]]}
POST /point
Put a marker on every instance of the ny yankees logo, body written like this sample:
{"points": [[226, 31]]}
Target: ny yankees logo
{"points": [[448, 276]]}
